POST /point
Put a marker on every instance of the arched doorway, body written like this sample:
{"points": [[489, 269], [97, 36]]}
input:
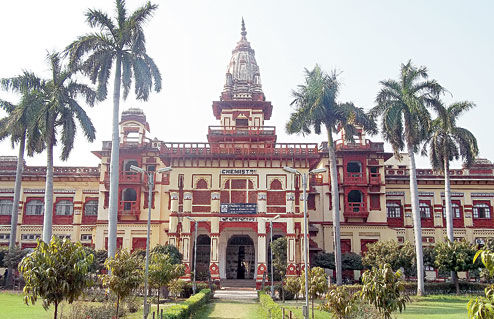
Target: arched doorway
{"points": [[240, 258], [203, 254]]}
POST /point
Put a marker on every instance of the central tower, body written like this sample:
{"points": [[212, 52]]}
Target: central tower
{"points": [[242, 108]]}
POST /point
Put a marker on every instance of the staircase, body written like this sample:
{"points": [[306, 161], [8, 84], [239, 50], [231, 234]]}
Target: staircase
{"points": [[237, 290]]}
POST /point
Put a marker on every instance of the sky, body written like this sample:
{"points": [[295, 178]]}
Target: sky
{"points": [[191, 43]]}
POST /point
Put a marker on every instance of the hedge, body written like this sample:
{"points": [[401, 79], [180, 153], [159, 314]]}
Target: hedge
{"points": [[189, 306], [271, 308], [436, 288]]}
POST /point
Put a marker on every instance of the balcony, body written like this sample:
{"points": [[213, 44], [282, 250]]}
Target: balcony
{"points": [[241, 131], [125, 177], [375, 179], [128, 209], [356, 210], [355, 178]]}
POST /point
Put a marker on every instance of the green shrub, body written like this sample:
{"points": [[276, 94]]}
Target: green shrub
{"points": [[189, 307], [271, 308], [81, 310]]}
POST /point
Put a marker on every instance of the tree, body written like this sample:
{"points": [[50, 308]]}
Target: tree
{"points": [[340, 302], [176, 287], [316, 106], [162, 271], [18, 126], [455, 256], [384, 289], [170, 250], [293, 286], [279, 247], [121, 41], [55, 271], [449, 142], [483, 307], [405, 122], [349, 261], [318, 284], [124, 275], [60, 106], [392, 253]]}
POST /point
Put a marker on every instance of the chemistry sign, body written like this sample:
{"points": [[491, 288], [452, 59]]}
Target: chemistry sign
{"points": [[238, 171], [238, 208]]}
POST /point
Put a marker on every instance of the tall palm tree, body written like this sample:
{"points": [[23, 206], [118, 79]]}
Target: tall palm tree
{"points": [[449, 142], [316, 107], [120, 43], [59, 107], [403, 105], [18, 126]]}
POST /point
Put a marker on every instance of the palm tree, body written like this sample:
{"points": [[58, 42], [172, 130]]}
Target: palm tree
{"points": [[59, 107], [403, 105], [17, 125], [316, 106], [123, 42]]}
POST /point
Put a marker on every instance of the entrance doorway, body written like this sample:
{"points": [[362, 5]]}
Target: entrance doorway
{"points": [[240, 258], [203, 252]]}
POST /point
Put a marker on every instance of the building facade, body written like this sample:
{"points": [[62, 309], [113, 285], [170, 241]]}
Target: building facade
{"points": [[233, 184]]}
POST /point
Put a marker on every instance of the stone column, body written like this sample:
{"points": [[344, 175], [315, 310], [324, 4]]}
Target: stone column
{"points": [[261, 202], [215, 202], [185, 238], [187, 202], [290, 202], [291, 237], [261, 251], [214, 265]]}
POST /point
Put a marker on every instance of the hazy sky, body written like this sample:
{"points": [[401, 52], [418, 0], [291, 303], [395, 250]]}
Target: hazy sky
{"points": [[191, 42]]}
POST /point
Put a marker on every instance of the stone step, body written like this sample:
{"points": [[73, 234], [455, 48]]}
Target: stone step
{"points": [[231, 294]]}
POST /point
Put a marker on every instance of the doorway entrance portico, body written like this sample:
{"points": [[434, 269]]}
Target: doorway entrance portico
{"points": [[240, 257]]}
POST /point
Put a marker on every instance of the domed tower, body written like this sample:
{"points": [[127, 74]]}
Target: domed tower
{"points": [[242, 107]]}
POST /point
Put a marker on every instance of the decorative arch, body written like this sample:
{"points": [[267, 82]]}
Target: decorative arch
{"points": [[276, 185], [201, 184]]}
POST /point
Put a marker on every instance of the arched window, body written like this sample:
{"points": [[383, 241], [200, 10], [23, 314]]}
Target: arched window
{"points": [[354, 167], [393, 210], [129, 197], [129, 164], [481, 210], [91, 207], [425, 210], [355, 196], [276, 185], [64, 208], [6, 206], [201, 184], [34, 207]]}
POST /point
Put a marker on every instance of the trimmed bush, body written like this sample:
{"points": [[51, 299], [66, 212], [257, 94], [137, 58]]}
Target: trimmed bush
{"points": [[271, 308], [189, 307]]}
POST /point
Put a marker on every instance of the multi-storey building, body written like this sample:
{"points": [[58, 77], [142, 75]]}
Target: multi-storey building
{"points": [[234, 183]]}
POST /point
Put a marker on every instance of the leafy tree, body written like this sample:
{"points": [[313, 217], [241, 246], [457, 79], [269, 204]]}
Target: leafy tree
{"points": [[318, 284], [392, 253], [162, 271], [449, 142], [120, 42], [55, 272], [316, 106], [279, 247], [383, 288], [14, 257], [60, 106], [455, 256], [340, 302], [170, 250], [176, 287], [349, 261], [405, 122], [293, 285], [125, 275], [483, 307]]}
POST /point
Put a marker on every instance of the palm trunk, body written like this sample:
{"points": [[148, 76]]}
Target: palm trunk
{"points": [[15, 204], [333, 171], [48, 213], [447, 201], [114, 165], [417, 228]]}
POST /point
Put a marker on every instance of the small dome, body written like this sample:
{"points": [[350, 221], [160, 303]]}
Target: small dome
{"points": [[243, 80]]}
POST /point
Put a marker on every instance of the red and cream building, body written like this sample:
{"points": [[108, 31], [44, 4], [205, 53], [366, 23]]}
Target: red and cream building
{"points": [[234, 182]]}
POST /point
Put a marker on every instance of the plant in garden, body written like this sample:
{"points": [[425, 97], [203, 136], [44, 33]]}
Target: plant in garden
{"points": [[383, 288], [455, 256], [483, 307], [55, 272], [316, 107], [349, 261], [340, 302], [292, 285], [392, 253], [125, 275], [162, 271], [120, 43], [279, 260], [318, 284], [176, 287], [170, 250]]}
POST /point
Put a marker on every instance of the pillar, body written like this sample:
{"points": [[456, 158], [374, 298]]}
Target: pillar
{"points": [[214, 264], [291, 237], [261, 252], [261, 202], [185, 238], [187, 202]]}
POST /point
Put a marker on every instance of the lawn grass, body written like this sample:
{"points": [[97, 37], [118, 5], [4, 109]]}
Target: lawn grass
{"points": [[217, 309], [435, 307]]}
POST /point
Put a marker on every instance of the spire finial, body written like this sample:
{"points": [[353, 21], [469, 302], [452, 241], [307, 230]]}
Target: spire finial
{"points": [[243, 33]]}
